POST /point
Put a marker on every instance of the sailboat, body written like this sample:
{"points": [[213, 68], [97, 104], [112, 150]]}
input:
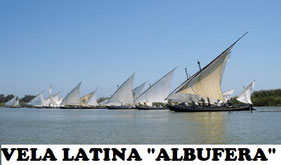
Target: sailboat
{"points": [[84, 100], [38, 101], [13, 103], [52, 101], [206, 83], [123, 96], [156, 93], [72, 100], [92, 101], [245, 96]]}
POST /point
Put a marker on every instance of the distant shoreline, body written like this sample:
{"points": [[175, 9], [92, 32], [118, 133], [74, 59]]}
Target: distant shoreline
{"points": [[261, 98]]}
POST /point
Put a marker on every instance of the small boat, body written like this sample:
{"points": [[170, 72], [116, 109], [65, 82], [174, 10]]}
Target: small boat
{"points": [[206, 84], [145, 107], [156, 93], [122, 98], [91, 101], [13, 103], [72, 100]]}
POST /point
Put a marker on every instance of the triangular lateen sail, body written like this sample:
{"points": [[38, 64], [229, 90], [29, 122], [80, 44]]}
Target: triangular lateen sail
{"points": [[11, 101], [84, 100], [206, 83], [245, 96], [124, 94], [73, 98], [93, 100], [37, 100], [158, 91], [138, 90], [14, 102], [228, 94]]}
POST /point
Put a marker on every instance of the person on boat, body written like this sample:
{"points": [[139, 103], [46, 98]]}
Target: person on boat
{"points": [[209, 103], [203, 102]]}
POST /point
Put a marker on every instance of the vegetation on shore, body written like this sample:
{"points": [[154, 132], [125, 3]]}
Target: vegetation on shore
{"points": [[267, 97]]}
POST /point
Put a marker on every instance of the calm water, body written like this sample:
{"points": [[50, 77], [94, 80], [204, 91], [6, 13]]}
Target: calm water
{"points": [[57, 126]]}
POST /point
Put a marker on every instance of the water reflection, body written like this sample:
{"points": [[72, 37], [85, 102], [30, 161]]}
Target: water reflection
{"points": [[207, 127]]}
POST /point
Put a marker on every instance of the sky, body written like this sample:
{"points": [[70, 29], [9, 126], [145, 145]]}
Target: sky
{"points": [[103, 42]]}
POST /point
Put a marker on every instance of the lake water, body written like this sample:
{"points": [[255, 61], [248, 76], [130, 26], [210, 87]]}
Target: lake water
{"points": [[57, 126]]}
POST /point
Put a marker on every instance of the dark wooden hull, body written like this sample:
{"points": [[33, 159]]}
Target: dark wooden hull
{"points": [[14, 107], [94, 107], [182, 108], [119, 107], [72, 107], [150, 108]]}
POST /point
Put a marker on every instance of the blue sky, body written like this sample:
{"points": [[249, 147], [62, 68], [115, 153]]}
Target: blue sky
{"points": [[103, 42]]}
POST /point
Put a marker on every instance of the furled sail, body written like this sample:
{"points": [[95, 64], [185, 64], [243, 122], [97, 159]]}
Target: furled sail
{"points": [[206, 83], [124, 94], [158, 91], [228, 94], [73, 98], [245, 96], [93, 100], [138, 90]]}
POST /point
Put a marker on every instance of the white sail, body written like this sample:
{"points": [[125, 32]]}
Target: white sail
{"points": [[124, 94], [184, 97], [11, 102], [73, 98], [245, 96], [138, 90], [16, 102], [84, 100], [45, 102], [158, 91], [207, 82], [37, 100], [92, 100], [228, 94], [55, 99]]}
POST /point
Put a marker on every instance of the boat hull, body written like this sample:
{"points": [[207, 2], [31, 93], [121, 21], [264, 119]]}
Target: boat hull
{"points": [[150, 108], [94, 107], [71, 107], [120, 107], [182, 108]]}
